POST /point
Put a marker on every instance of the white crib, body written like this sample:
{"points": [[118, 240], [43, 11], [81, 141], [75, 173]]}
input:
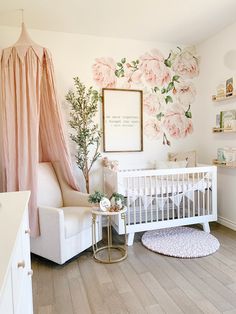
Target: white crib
{"points": [[164, 198]]}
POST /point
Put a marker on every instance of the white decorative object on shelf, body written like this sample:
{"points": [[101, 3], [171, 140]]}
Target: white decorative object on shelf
{"points": [[105, 204]]}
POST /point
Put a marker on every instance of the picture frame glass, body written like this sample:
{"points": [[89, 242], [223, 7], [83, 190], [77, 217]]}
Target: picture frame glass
{"points": [[122, 120]]}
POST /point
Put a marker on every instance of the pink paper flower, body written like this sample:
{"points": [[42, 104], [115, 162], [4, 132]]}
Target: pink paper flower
{"points": [[185, 93], [155, 71], [104, 72], [153, 103], [131, 76], [152, 129], [177, 124], [186, 64]]}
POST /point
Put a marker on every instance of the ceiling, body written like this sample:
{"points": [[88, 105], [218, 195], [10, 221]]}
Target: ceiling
{"points": [[177, 21]]}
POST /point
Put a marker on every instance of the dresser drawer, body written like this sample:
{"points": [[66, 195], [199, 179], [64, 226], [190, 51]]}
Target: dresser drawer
{"points": [[6, 301]]}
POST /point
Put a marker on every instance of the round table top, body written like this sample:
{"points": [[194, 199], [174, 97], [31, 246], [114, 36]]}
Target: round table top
{"points": [[108, 213]]}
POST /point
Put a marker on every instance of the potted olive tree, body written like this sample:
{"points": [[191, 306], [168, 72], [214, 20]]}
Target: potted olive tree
{"points": [[86, 134]]}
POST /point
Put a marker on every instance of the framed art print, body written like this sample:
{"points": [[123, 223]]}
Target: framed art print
{"points": [[122, 120]]}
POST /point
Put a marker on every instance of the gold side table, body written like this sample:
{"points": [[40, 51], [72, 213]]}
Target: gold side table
{"points": [[121, 249]]}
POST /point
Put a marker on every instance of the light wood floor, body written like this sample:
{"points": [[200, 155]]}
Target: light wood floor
{"points": [[144, 283]]}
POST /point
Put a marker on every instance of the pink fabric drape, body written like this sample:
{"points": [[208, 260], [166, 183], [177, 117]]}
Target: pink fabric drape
{"points": [[32, 126]]}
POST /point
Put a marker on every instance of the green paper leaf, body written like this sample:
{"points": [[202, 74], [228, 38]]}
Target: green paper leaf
{"points": [[117, 73], [123, 60], [168, 99], [156, 89], [119, 64], [176, 78], [170, 87], [159, 116], [188, 114], [163, 91], [167, 63]]}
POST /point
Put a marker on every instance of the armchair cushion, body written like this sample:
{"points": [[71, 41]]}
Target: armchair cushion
{"points": [[49, 191], [76, 219]]}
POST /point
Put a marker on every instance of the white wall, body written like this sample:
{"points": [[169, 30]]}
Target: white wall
{"points": [[218, 63], [74, 55]]}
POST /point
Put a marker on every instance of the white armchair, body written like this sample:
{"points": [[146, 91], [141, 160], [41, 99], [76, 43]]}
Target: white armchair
{"points": [[64, 216]]}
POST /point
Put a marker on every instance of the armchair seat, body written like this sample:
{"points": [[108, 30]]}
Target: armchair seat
{"points": [[65, 218], [76, 220]]}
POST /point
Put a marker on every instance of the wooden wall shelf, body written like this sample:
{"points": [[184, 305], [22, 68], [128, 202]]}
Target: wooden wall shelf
{"points": [[223, 130], [223, 98], [224, 164]]}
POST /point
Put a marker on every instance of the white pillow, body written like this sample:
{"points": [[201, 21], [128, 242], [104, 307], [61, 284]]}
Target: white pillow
{"points": [[189, 156], [171, 164]]}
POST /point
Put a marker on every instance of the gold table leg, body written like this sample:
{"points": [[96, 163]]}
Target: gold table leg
{"points": [[109, 246]]}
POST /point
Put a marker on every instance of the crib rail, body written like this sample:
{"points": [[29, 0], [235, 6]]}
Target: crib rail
{"points": [[165, 196]]}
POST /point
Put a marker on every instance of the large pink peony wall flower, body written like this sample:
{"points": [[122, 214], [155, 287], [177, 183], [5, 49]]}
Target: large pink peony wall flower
{"points": [[152, 129], [131, 76], [186, 64], [152, 103], [185, 93], [104, 72], [176, 123], [154, 69]]}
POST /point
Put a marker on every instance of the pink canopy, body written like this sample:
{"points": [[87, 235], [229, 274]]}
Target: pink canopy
{"points": [[32, 124]]}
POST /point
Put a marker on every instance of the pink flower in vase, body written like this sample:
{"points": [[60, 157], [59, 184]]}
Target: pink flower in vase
{"points": [[104, 72]]}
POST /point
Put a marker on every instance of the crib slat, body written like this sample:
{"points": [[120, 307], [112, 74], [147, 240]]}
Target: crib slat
{"points": [[178, 183], [151, 195], [128, 199], [198, 199], [203, 198], [139, 201], [208, 198], [193, 204], [145, 198]]}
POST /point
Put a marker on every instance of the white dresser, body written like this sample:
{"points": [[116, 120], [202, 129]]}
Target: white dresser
{"points": [[15, 264]]}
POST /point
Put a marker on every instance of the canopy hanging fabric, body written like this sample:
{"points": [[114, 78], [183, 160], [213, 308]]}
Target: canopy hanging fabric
{"points": [[32, 124]]}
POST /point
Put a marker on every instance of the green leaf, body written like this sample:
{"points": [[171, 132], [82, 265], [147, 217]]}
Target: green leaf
{"points": [[163, 91], [119, 64], [167, 63], [117, 73], [137, 61], [168, 99], [188, 114], [176, 78], [122, 73], [170, 87], [156, 89], [123, 60], [159, 116]]}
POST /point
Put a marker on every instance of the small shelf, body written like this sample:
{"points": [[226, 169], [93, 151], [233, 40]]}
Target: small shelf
{"points": [[222, 98], [223, 130], [224, 164]]}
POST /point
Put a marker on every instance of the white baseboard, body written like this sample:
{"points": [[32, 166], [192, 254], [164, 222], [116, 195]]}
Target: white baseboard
{"points": [[227, 223]]}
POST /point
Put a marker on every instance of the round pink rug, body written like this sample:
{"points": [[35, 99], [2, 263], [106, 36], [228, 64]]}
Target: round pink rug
{"points": [[181, 242]]}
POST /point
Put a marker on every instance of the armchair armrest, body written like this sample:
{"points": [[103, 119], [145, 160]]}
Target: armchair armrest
{"points": [[75, 198], [52, 231], [51, 219]]}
